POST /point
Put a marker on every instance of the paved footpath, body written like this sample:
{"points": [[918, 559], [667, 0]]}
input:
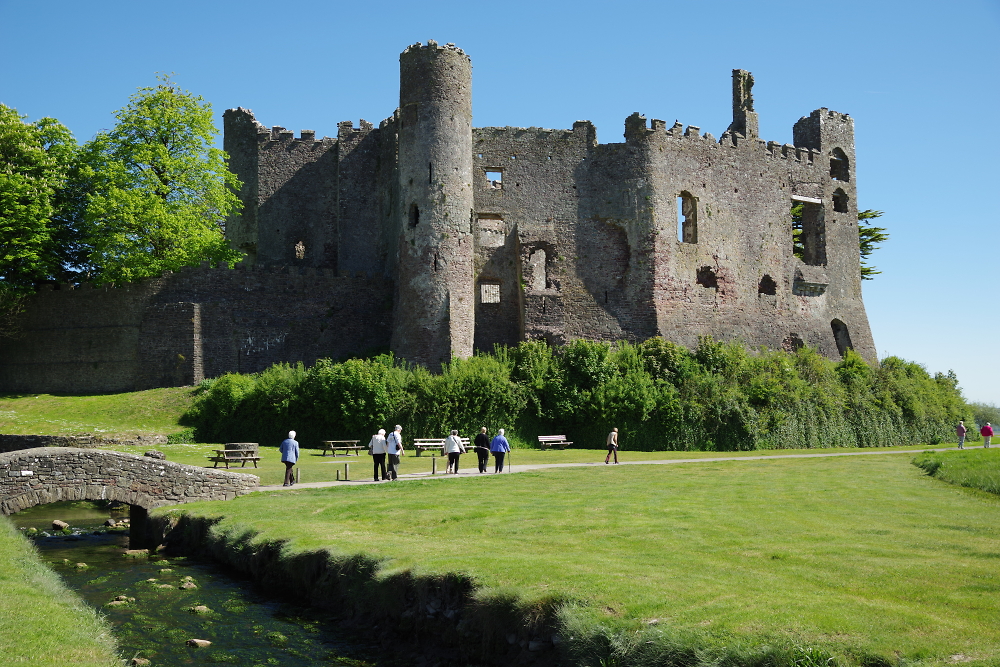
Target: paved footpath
{"points": [[364, 467]]}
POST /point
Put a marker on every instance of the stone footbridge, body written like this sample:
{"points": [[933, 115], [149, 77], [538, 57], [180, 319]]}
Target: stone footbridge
{"points": [[43, 475]]}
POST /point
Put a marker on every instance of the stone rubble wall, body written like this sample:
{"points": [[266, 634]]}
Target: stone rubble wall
{"points": [[11, 443], [50, 474]]}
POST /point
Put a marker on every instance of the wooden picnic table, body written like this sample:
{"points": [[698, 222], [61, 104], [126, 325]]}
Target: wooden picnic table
{"points": [[348, 446], [422, 444], [236, 452], [553, 441]]}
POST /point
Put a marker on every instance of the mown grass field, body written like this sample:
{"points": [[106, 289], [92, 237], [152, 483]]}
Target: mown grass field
{"points": [[318, 468], [854, 554], [43, 623], [151, 412]]}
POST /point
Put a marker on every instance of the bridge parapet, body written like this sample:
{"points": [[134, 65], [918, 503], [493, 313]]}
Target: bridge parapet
{"points": [[43, 475]]}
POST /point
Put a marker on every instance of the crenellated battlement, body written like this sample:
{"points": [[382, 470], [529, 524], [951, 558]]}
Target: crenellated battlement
{"points": [[432, 45]]}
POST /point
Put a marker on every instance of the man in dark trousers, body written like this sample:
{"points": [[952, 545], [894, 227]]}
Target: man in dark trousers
{"points": [[482, 447], [289, 455]]}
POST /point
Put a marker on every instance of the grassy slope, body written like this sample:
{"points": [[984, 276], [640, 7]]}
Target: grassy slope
{"points": [[151, 412], [975, 468], [863, 552], [42, 623]]}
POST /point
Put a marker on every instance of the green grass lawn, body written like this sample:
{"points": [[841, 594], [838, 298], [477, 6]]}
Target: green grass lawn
{"points": [[318, 468], [975, 468], [151, 412], [851, 554], [43, 623]]}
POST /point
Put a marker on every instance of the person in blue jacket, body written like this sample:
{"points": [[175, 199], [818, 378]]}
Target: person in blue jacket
{"points": [[499, 447], [289, 455]]}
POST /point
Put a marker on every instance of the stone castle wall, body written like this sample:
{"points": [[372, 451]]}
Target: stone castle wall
{"points": [[670, 233]]}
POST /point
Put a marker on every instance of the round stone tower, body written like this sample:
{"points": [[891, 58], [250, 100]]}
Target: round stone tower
{"points": [[435, 308]]}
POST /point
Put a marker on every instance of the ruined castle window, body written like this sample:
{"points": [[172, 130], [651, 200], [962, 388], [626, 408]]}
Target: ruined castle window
{"points": [[840, 201], [767, 286], [430, 173], [840, 166], [792, 342], [489, 292], [808, 230], [842, 336], [706, 277], [300, 250], [494, 179], [536, 264], [414, 215], [687, 218]]}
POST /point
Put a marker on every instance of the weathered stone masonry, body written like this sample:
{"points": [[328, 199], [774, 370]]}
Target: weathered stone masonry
{"points": [[43, 475], [435, 238]]}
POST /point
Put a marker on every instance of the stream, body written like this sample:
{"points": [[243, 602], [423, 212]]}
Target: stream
{"points": [[155, 605]]}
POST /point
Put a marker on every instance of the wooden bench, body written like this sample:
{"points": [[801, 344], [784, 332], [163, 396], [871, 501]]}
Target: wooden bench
{"points": [[423, 444], [553, 441], [236, 452], [347, 446]]}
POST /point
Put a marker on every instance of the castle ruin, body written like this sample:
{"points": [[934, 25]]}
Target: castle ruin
{"points": [[433, 238]]}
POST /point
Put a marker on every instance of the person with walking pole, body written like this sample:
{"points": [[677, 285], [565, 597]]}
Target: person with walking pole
{"points": [[500, 447]]}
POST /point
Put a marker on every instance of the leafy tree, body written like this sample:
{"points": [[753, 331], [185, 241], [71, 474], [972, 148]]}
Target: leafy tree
{"points": [[35, 159], [868, 238], [157, 192]]}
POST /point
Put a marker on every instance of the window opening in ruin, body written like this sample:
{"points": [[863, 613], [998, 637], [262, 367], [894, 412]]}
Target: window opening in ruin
{"points": [[840, 201], [808, 231], [767, 286], [840, 166], [707, 278], [687, 218], [430, 173], [494, 179], [842, 337], [792, 342], [414, 215], [489, 292], [605, 296], [536, 265], [492, 231], [300, 250]]}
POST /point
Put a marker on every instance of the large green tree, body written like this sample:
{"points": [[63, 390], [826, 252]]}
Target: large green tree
{"points": [[869, 237], [35, 160], [157, 192]]}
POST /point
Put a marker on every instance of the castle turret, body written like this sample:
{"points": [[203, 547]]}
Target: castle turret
{"points": [[435, 309]]}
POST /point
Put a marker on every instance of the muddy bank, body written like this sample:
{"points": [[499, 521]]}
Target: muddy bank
{"points": [[428, 620]]}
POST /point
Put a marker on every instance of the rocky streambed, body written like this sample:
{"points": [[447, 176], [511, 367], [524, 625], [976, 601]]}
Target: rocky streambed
{"points": [[179, 611]]}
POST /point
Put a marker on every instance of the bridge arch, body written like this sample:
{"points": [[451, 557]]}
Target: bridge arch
{"points": [[43, 475]]}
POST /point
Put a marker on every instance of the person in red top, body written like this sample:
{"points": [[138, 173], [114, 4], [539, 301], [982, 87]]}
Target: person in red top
{"points": [[987, 433], [960, 432]]}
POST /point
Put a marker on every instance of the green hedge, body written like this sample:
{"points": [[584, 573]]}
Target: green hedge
{"points": [[720, 396]]}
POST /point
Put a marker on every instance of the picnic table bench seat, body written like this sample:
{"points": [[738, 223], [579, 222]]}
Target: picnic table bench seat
{"points": [[236, 452], [348, 446], [422, 444], [553, 441]]}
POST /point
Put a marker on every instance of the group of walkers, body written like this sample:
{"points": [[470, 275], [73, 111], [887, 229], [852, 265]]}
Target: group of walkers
{"points": [[391, 446], [986, 431]]}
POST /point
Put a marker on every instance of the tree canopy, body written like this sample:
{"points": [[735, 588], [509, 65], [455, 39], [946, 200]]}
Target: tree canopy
{"points": [[868, 238], [158, 192]]}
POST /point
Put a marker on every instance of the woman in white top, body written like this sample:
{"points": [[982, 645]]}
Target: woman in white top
{"points": [[376, 447], [394, 445], [454, 448]]}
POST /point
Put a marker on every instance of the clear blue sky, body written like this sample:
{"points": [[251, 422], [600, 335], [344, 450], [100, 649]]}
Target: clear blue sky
{"points": [[919, 77]]}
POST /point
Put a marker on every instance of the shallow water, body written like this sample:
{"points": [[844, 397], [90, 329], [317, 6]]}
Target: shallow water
{"points": [[156, 620]]}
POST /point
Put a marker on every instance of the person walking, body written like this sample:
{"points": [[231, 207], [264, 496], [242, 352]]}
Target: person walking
{"points": [[377, 449], [960, 431], [499, 446], [394, 447], [612, 446], [454, 448], [482, 447], [289, 455], [987, 433]]}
